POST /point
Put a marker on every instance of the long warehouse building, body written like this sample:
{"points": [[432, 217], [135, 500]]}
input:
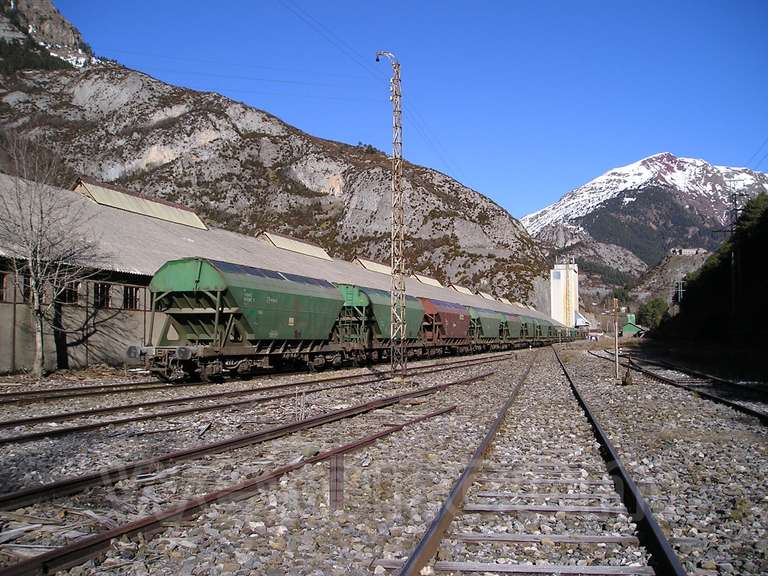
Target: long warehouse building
{"points": [[136, 236]]}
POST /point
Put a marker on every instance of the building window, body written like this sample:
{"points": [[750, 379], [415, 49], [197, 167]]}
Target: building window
{"points": [[70, 293], [5, 283], [130, 297], [101, 295], [26, 288]]}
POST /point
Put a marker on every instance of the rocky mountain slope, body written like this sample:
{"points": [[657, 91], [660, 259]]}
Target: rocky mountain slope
{"points": [[40, 21], [244, 169], [628, 218], [659, 281]]}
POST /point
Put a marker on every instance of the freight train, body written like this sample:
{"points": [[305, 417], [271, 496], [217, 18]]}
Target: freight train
{"points": [[221, 318]]}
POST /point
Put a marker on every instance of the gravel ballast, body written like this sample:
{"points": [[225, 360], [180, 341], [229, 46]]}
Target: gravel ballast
{"points": [[701, 466], [708, 463], [545, 454], [226, 469]]}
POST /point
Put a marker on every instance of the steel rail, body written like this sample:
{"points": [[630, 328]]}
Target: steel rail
{"points": [[427, 547], [761, 416], [80, 551], [104, 389], [31, 436], [30, 396], [228, 394], [695, 373], [663, 557], [28, 496], [39, 391], [58, 417]]}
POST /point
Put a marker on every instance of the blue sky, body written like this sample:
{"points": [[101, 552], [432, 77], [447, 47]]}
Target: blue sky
{"points": [[522, 101]]}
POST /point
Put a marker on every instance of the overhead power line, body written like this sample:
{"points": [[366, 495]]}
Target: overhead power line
{"points": [[411, 115], [756, 153], [760, 162], [332, 38], [219, 63], [239, 77], [311, 96], [420, 125]]}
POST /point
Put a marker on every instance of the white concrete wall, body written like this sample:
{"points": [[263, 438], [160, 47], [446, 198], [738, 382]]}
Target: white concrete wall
{"points": [[111, 331], [564, 293]]}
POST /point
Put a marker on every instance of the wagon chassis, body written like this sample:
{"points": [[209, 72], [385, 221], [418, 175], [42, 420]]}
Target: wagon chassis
{"points": [[209, 363]]}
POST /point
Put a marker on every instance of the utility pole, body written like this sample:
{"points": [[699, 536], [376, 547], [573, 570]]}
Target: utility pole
{"points": [[398, 349], [678, 292], [616, 335], [735, 272]]}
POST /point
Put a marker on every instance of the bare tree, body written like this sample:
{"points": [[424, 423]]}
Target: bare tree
{"points": [[44, 232]]}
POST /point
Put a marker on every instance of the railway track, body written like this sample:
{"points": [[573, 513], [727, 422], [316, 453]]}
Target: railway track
{"points": [[294, 387], [24, 497], [743, 399], [48, 394], [79, 552], [85, 548], [543, 493]]}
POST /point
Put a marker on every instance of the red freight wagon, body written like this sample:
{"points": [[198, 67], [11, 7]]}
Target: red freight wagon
{"points": [[444, 319]]}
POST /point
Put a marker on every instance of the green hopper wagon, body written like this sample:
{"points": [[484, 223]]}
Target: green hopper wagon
{"points": [[228, 317]]}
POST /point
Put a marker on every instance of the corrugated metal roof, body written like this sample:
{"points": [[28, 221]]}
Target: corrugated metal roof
{"points": [[298, 246], [462, 289], [131, 202], [486, 296], [505, 301], [374, 266], [135, 244], [427, 280]]}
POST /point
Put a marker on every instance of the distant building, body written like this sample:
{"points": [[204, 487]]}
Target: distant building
{"points": [[564, 292], [631, 329], [687, 251], [581, 321]]}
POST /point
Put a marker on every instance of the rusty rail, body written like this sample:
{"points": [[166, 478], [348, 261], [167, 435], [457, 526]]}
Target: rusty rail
{"points": [[663, 557], [78, 552], [31, 436], [113, 475], [29, 396], [762, 416], [364, 379], [427, 547]]}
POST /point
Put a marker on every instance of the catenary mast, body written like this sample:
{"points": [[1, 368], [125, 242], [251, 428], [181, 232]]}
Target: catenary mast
{"points": [[398, 342]]}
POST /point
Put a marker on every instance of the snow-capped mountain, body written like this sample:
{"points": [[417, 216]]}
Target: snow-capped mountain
{"points": [[626, 220], [696, 182]]}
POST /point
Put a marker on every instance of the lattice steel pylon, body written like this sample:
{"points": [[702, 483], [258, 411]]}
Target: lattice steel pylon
{"points": [[398, 346]]}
